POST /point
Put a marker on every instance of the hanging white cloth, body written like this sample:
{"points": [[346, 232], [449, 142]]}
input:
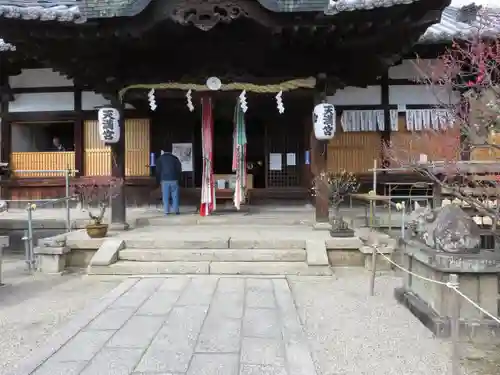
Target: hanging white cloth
{"points": [[366, 120], [423, 119], [394, 120]]}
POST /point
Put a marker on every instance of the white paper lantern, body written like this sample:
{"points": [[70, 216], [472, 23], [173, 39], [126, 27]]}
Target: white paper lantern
{"points": [[324, 121], [109, 124]]}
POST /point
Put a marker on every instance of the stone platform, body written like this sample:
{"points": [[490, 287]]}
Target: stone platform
{"points": [[478, 276], [268, 242], [199, 249]]}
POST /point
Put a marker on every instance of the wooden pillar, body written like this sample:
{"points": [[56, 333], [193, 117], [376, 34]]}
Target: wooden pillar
{"points": [[319, 155], [5, 124], [118, 202], [386, 133], [78, 133]]}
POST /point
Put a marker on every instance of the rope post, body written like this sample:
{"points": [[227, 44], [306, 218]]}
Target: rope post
{"points": [[403, 219], [1, 261], [67, 192], [374, 188], [374, 267], [454, 324], [27, 250], [31, 258]]}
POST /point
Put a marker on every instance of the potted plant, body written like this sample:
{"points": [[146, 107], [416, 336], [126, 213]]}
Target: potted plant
{"points": [[95, 197], [335, 186]]}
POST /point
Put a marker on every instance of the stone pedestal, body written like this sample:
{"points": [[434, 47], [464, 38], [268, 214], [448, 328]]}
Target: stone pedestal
{"points": [[350, 252], [431, 303], [51, 254], [51, 260]]}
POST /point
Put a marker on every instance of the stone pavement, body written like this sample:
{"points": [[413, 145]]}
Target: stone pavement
{"points": [[207, 325], [302, 214], [183, 326]]}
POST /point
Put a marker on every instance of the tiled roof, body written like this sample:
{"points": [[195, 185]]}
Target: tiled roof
{"points": [[337, 6], [450, 27], [295, 5], [112, 8], [488, 24], [42, 10], [4, 46], [329, 7], [78, 10]]}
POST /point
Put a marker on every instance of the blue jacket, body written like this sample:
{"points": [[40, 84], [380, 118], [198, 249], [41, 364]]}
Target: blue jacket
{"points": [[168, 168]]}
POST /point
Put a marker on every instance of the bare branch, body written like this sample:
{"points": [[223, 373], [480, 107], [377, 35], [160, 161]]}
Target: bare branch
{"points": [[465, 82], [97, 192]]}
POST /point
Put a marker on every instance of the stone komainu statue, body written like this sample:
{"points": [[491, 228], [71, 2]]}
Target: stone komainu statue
{"points": [[447, 229]]}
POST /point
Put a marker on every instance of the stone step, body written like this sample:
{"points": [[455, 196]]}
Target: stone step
{"points": [[220, 255], [151, 268], [178, 243], [216, 243], [268, 268], [216, 268]]}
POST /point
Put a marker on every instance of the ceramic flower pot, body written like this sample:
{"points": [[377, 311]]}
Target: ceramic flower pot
{"points": [[97, 230]]}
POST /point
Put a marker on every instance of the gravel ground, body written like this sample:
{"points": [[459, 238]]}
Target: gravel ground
{"points": [[352, 333], [33, 307], [481, 359]]}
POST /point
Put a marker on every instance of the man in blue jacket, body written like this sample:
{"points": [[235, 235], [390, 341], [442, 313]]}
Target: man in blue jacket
{"points": [[168, 175]]}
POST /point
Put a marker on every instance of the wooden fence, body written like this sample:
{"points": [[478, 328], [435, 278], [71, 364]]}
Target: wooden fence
{"points": [[43, 161]]}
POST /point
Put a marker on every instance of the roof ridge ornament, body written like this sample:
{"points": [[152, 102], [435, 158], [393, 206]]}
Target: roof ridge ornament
{"points": [[205, 14], [468, 13]]}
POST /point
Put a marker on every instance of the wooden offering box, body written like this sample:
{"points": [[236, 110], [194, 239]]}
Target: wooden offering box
{"points": [[224, 185]]}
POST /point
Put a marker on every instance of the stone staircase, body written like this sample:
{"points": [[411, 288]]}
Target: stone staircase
{"points": [[211, 256]]}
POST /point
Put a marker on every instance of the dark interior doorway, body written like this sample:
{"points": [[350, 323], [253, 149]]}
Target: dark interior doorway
{"points": [[256, 150], [223, 141], [223, 144]]}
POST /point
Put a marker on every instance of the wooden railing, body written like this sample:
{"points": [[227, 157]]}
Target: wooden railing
{"points": [[489, 151], [42, 161]]}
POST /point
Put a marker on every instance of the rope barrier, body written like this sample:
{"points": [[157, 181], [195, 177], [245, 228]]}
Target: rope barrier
{"points": [[408, 271], [447, 284], [490, 315]]}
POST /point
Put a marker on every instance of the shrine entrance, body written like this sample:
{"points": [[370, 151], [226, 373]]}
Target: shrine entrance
{"points": [[277, 168]]}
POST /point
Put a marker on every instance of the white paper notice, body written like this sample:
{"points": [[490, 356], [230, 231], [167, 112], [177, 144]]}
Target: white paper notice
{"points": [[275, 162], [290, 159], [184, 151], [401, 108]]}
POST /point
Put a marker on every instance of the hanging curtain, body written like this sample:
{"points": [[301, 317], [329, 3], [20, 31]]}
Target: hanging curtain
{"points": [[207, 134], [424, 119], [367, 120], [239, 155]]}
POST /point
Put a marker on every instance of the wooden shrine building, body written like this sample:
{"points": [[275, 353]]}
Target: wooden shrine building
{"points": [[63, 59]]}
